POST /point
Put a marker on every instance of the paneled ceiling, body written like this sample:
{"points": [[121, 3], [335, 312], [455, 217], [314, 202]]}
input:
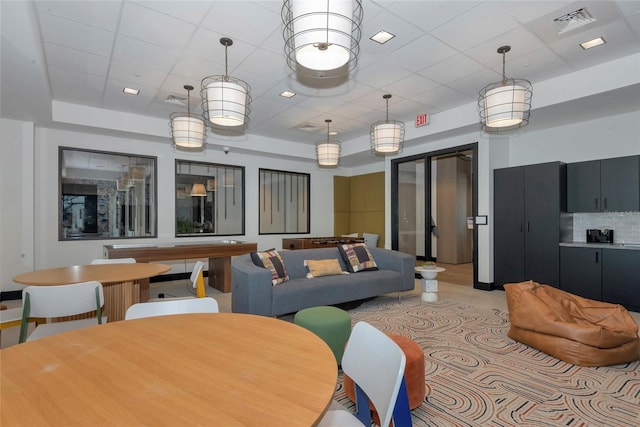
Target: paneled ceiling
{"points": [[443, 53]]}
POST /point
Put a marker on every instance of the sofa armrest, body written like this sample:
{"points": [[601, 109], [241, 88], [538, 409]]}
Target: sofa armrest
{"points": [[401, 262], [250, 287]]}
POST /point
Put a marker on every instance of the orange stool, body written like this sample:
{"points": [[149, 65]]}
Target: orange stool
{"points": [[413, 373]]}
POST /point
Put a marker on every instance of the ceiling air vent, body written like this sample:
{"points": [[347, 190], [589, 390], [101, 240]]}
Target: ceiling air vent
{"points": [[173, 99], [573, 20], [307, 127]]}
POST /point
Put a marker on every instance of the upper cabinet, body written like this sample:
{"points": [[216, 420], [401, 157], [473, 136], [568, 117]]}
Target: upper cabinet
{"points": [[604, 185]]}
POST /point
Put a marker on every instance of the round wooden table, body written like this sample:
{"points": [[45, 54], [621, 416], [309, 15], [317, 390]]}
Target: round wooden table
{"points": [[221, 369], [124, 284]]}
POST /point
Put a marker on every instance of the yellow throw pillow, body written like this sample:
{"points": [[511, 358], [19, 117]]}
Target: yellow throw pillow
{"points": [[323, 267]]}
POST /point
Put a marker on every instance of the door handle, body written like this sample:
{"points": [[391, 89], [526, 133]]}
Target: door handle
{"points": [[597, 253]]}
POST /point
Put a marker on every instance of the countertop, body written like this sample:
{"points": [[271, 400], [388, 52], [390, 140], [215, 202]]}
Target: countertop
{"points": [[628, 246]]}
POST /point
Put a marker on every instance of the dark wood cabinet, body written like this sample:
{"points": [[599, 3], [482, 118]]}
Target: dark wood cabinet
{"points": [[621, 277], [528, 201], [604, 185], [581, 271]]}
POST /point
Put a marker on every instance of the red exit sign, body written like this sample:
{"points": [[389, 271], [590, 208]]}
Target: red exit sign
{"points": [[422, 119]]}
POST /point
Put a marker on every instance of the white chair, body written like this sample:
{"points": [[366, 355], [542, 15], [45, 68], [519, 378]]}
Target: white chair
{"points": [[376, 365], [371, 239], [171, 306], [114, 261], [60, 301]]}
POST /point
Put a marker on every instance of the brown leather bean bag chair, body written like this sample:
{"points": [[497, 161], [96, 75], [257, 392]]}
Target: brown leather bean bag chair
{"points": [[571, 328]]}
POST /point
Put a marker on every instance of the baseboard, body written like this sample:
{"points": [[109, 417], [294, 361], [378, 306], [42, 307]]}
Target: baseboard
{"points": [[485, 286]]}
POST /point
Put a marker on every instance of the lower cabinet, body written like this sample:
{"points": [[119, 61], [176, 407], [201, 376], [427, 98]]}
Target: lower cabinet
{"points": [[581, 271], [610, 275], [621, 277]]}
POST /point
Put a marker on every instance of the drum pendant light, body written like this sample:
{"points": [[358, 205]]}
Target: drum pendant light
{"points": [[328, 151], [505, 105], [187, 130], [225, 99], [387, 136]]}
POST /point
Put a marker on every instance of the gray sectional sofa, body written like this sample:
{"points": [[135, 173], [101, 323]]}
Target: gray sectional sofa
{"points": [[252, 291]]}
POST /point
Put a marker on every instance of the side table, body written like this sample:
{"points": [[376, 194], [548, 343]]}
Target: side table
{"points": [[429, 283]]}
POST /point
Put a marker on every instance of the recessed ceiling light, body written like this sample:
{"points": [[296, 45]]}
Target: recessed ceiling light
{"points": [[382, 37], [592, 43], [287, 94], [131, 91]]}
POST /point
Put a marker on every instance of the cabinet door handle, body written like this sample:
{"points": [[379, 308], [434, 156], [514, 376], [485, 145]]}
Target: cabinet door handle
{"points": [[605, 203], [521, 227], [597, 253], [596, 200], [528, 226]]}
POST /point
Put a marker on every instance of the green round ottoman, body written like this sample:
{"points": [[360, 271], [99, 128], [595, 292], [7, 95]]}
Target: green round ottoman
{"points": [[331, 324]]}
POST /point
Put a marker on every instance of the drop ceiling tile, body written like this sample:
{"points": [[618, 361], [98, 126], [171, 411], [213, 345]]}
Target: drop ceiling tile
{"points": [[143, 53], [67, 77], [480, 24], [450, 69], [543, 64], [265, 108], [101, 14], [421, 53], [521, 41], [196, 67], [189, 11], [250, 24], [527, 11], [136, 73], [141, 23], [408, 86], [91, 96], [78, 60], [382, 73], [76, 35], [404, 33], [428, 15], [206, 43], [470, 85]]}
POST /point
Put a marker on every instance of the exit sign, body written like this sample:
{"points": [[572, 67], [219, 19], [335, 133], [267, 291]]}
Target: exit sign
{"points": [[422, 119]]}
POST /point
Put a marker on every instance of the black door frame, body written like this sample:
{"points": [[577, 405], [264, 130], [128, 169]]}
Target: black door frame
{"points": [[395, 163]]}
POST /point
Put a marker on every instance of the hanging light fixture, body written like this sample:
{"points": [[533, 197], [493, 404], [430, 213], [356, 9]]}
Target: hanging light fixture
{"points": [[505, 105], [187, 130], [322, 35], [198, 190], [387, 136], [328, 151], [225, 100]]}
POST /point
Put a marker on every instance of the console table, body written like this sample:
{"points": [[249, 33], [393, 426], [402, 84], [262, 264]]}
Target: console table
{"points": [[318, 242], [219, 254]]}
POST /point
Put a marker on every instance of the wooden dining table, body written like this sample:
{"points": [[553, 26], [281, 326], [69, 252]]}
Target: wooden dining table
{"points": [[222, 369], [124, 284]]}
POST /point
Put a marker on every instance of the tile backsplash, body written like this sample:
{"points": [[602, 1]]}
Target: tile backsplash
{"points": [[626, 225]]}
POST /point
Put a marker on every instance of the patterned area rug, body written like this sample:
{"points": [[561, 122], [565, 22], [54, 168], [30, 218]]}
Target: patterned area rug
{"points": [[477, 376]]}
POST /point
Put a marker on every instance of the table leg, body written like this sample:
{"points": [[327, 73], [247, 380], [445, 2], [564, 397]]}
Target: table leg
{"points": [[118, 297], [220, 274]]}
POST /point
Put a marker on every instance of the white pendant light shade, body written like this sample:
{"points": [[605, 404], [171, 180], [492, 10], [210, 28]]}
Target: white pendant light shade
{"points": [[387, 136], [328, 151], [187, 130], [322, 35], [505, 105], [226, 103], [225, 99]]}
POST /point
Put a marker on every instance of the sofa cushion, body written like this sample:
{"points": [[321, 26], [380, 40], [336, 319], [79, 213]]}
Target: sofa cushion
{"points": [[357, 257], [271, 260], [323, 267]]}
